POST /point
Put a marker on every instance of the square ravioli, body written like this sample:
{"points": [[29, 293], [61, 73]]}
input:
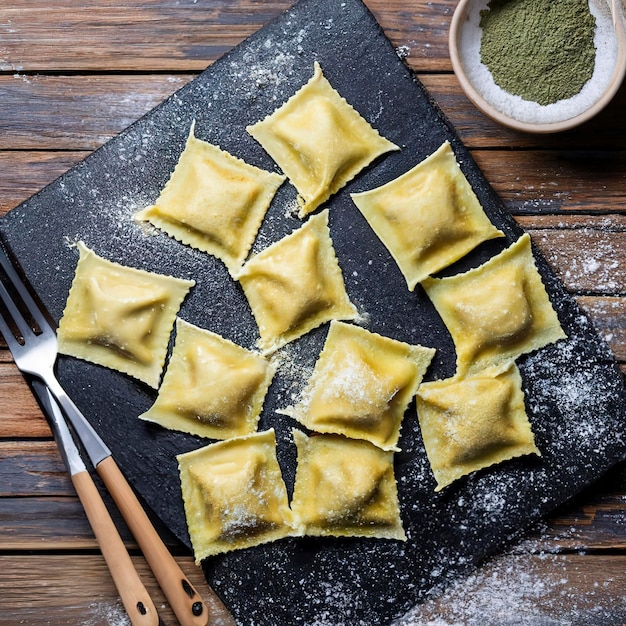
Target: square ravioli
{"points": [[345, 488], [120, 317], [234, 495], [427, 218], [212, 387], [361, 385], [319, 141], [469, 424], [214, 202], [296, 284], [497, 311]]}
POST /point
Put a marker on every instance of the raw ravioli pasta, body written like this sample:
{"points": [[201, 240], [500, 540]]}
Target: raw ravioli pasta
{"points": [[212, 387], [296, 284], [120, 317], [345, 487], [497, 311], [472, 423], [361, 385], [428, 218], [214, 201], [234, 495], [319, 141]]}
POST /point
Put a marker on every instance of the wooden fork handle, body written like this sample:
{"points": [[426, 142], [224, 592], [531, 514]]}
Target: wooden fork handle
{"points": [[180, 593], [137, 602]]}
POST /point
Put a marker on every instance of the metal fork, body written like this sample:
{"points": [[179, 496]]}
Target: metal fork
{"points": [[135, 598], [35, 353]]}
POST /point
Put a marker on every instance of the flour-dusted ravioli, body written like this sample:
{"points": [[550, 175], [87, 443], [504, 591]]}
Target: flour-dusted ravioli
{"points": [[120, 317], [345, 488], [471, 423], [428, 218], [319, 141], [296, 284], [361, 385], [212, 387], [234, 495], [214, 202], [497, 311]]}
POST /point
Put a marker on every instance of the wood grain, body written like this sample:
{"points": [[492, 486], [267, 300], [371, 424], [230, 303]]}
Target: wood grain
{"points": [[90, 109], [32, 468], [78, 591], [20, 415], [162, 35], [114, 35], [605, 131]]}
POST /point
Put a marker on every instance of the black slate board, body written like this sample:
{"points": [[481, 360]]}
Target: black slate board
{"points": [[574, 391]]}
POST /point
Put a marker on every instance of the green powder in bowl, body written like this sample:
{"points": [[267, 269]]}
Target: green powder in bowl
{"points": [[541, 50]]}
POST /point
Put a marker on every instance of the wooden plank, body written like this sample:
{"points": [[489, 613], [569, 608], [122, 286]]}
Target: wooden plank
{"points": [[588, 261], [591, 520], [478, 131], [20, 415], [555, 181], [76, 590], [167, 35], [23, 174], [32, 468], [151, 35], [541, 589], [607, 315], [91, 109], [586, 251], [50, 523], [59, 523], [39, 505], [610, 222], [420, 35]]}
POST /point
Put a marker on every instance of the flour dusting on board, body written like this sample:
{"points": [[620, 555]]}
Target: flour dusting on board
{"points": [[522, 590]]}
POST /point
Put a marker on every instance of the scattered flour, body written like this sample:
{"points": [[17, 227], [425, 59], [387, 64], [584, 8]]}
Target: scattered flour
{"points": [[522, 590], [403, 51], [106, 613]]}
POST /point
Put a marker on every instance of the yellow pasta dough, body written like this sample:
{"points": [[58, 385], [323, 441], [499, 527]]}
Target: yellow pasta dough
{"points": [[213, 201], [428, 218], [472, 423], [234, 495], [212, 387], [296, 284], [361, 385], [497, 311], [319, 141], [345, 487], [120, 317]]}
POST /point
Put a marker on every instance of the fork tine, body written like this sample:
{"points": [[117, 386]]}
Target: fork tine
{"points": [[28, 301], [8, 335], [15, 315]]}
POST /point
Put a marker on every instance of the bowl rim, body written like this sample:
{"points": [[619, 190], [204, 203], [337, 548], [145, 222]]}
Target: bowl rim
{"points": [[459, 18]]}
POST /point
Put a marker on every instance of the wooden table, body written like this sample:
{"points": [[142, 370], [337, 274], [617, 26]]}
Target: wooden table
{"points": [[73, 74]]}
